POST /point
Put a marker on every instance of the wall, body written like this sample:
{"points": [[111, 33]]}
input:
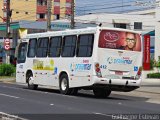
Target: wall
{"points": [[21, 10], [1, 13], [108, 19], [23, 6], [157, 33]]}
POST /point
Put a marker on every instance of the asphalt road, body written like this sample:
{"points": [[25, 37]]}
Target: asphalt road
{"points": [[45, 104]]}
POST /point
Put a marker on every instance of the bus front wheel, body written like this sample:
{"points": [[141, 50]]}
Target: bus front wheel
{"points": [[101, 93], [64, 85], [30, 82]]}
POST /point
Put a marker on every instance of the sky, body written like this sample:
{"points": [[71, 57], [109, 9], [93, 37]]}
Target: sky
{"points": [[111, 6]]}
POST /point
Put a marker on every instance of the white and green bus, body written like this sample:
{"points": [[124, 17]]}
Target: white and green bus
{"points": [[99, 59]]}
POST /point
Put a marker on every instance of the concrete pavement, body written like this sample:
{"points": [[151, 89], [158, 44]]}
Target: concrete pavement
{"points": [[149, 85]]}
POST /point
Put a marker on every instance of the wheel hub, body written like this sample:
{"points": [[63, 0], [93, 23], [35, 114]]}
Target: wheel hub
{"points": [[64, 84]]}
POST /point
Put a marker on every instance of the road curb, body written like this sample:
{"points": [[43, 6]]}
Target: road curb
{"points": [[8, 80], [5, 116], [147, 91]]}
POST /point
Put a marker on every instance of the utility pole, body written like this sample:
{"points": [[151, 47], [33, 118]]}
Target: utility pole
{"points": [[72, 14], [49, 6], [8, 19], [8, 27]]}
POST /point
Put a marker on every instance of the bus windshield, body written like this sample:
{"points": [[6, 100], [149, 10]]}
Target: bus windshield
{"points": [[119, 40]]}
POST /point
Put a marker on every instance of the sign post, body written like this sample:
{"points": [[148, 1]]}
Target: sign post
{"points": [[7, 48], [7, 44], [146, 55]]}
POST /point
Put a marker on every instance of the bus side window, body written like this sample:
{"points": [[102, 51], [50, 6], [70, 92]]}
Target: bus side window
{"points": [[85, 45], [42, 47], [32, 47], [55, 47], [69, 45]]}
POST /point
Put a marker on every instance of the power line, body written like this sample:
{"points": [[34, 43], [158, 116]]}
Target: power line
{"points": [[103, 4], [118, 11], [109, 7], [94, 4], [97, 3], [85, 9], [108, 22]]}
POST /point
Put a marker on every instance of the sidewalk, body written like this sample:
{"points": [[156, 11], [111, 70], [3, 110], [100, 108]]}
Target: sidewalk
{"points": [[7, 79], [149, 85]]}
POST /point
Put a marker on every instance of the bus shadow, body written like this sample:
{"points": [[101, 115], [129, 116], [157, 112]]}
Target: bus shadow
{"points": [[89, 95], [86, 95], [44, 90], [114, 97]]}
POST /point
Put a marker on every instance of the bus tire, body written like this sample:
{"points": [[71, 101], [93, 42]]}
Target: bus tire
{"points": [[31, 86], [101, 93], [64, 85]]}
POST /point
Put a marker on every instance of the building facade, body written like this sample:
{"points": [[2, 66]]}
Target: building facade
{"points": [[1, 13], [60, 9], [35, 10], [21, 9]]}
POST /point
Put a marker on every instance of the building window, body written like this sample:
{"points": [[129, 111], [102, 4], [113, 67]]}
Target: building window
{"points": [[85, 45], [32, 47], [42, 2], [26, 13], [67, 16], [138, 25], [42, 47], [57, 17], [41, 16], [4, 14], [68, 4], [69, 45], [120, 25], [56, 4], [55, 47]]}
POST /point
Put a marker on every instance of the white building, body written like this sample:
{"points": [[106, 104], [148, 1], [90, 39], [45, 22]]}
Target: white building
{"points": [[142, 23]]}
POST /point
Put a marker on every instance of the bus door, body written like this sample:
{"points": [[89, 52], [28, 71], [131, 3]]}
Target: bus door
{"points": [[82, 66], [21, 59]]}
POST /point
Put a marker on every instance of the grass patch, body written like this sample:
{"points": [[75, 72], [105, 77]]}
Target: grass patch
{"points": [[7, 70], [153, 75]]}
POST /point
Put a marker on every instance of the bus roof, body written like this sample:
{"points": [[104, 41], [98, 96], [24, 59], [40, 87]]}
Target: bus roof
{"points": [[75, 32]]}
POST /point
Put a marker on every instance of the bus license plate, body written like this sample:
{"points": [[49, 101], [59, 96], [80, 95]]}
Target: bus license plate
{"points": [[118, 72]]}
